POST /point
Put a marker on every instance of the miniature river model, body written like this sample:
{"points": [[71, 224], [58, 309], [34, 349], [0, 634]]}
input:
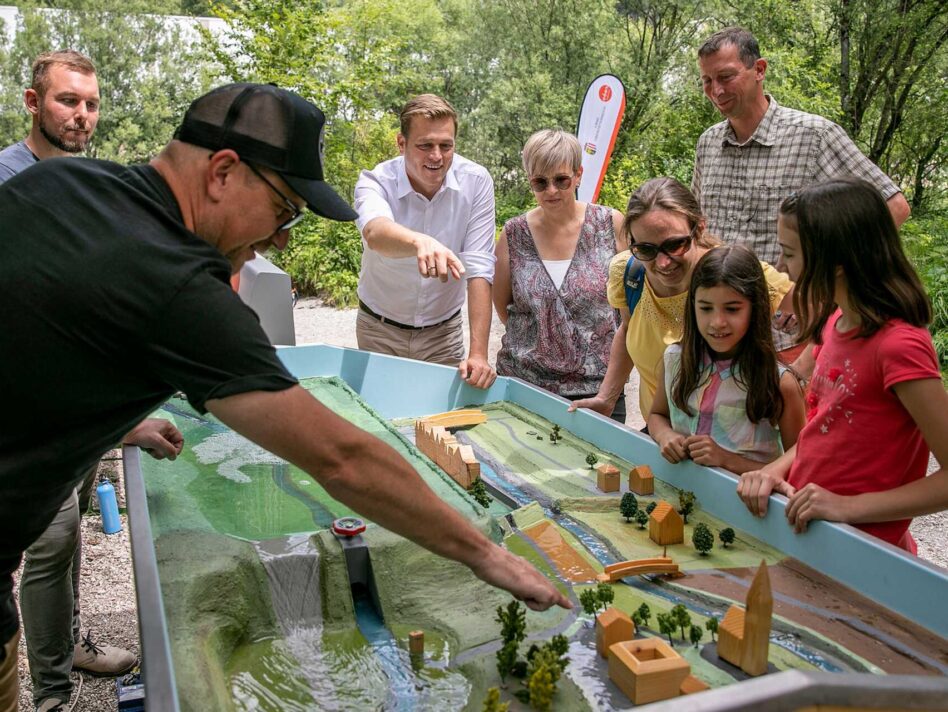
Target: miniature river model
{"points": [[251, 599]]}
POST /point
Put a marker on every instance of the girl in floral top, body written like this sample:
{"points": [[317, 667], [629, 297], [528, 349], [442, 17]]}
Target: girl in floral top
{"points": [[726, 403]]}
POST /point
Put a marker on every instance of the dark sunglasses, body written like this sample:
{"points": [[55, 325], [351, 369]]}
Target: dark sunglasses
{"points": [[541, 183], [673, 247], [295, 213]]}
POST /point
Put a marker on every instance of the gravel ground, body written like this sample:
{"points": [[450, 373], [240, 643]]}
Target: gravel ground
{"points": [[107, 586]]}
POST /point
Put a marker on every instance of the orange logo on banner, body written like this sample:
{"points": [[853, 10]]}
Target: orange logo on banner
{"points": [[605, 92]]}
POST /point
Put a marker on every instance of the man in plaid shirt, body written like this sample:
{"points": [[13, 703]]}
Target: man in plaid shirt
{"points": [[747, 164]]}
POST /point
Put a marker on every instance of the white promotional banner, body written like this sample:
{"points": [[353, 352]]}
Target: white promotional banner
{"points": [[599, 120]]}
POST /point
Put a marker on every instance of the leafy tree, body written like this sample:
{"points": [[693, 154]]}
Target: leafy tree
{"points": [[542, 687], [591, 460], [686, 503], [702, 538], [641, 518], [506, 659], [712, 625], [666, 626], [637, 619], [492, 702], [681, 618], [589, 600], [605, 594], [479, 492], [727, 536], [650, 507], [628, 506], [513, 622], [645, 612], [695, 635]]}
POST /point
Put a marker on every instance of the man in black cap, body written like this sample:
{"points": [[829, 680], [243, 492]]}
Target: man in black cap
{"points": [[114, 294]]}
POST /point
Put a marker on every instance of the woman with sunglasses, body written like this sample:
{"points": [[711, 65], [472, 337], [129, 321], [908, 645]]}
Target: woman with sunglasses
{"points": [[666, 233], [550, 278]]}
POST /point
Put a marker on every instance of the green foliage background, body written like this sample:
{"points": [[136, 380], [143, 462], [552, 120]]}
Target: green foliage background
{"points": [[878, 67]]}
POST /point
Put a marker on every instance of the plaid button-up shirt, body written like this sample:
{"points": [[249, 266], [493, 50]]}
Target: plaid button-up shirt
{"points": [[740, 186]]}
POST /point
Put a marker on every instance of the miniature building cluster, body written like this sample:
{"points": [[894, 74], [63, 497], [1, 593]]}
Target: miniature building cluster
{"points": [[646, 670], [433, 440]]}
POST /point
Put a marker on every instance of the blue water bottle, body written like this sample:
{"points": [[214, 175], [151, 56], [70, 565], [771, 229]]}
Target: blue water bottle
{"points": [[108, 507]]}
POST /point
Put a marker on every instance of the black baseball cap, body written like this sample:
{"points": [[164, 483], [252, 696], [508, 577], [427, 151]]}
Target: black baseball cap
{"points": [[272, 127]]}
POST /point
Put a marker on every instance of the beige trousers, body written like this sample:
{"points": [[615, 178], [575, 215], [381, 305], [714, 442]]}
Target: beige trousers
{"points": [[442, 344]]}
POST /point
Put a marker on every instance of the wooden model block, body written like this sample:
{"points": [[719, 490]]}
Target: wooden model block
{"points": [[731, 635], [757, 616], [613, 626], [443, 448], [744, 634], [607, 478], [692, 685], [416, 642], [641, 480], [647, 670], [665, 525]]}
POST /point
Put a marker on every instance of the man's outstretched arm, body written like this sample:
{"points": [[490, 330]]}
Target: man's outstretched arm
{"points": [[371, 478]]}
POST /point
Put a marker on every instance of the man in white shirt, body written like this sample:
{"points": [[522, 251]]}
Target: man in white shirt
{"points": [[427, 219]]}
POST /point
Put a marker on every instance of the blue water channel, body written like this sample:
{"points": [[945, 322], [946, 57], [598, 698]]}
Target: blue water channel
{"points": [[602, 554]]}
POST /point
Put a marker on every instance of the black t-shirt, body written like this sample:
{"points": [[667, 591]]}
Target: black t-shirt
{"points": [[108, 305]]}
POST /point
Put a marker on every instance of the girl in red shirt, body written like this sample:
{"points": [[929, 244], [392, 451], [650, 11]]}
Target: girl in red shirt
{"points": [[876, 401]]}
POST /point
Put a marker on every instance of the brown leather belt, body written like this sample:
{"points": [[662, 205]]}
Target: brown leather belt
{"points": [[397, 324]]}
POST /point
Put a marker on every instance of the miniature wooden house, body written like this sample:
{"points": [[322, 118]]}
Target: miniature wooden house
{"points": [[665, 525], [613, 626], [641, 480], [744, 633], [647, 670], [607, 477]]}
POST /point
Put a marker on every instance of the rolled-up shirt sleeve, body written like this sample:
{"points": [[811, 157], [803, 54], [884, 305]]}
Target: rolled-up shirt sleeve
{"points": [[477, 252], [371, 200]]}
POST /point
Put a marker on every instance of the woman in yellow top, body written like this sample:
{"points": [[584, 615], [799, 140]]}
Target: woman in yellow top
{"points": [[666, 232]]}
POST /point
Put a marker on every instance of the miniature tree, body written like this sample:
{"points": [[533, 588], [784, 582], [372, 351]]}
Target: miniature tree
{"points": [[555, 434], [628, 506], [513, 622], [479, 492], [666, 626], [644, 612], [686, 504], [650, 507], [637, 619], [506, 659], [712, 625], [591, 460], [541, 688], [727, 536], [681, 618], [589, 601], [605, 594], [492, 702], [641, 518], [702, 538], [696, 634]]}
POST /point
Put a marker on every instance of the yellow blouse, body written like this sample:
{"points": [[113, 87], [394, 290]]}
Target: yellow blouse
{"points": [[657, 322]]}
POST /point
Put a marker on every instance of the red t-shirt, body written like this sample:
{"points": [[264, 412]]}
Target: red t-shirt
{"points": [[858, 436]]}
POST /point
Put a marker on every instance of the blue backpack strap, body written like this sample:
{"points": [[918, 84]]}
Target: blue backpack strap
{"points": [[634, 281]]}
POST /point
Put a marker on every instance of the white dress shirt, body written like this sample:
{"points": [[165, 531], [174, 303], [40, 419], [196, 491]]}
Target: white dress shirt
{"points": [[460, 216]]}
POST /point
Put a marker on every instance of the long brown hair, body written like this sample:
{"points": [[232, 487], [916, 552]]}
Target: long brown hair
{"points": [[845, 223], [755, 365]]}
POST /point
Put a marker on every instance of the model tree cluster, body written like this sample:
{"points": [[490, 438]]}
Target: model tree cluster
{"points": [[592, 599], [555, 434], [727, 536], [479, 492], [686, 503], [629, 506], [702, 538], [712, 625], [641, 518]]}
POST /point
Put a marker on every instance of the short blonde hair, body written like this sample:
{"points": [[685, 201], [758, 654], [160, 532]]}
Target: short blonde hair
{"points": [[427, 106], [548, 149]]}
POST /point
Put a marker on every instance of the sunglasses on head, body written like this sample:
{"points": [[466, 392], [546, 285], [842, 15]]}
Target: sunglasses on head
{"points": [[541, 183], [673, 247]]}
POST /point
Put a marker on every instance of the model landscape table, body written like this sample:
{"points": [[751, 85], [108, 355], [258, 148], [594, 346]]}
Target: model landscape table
{"points": [[246, 597]]}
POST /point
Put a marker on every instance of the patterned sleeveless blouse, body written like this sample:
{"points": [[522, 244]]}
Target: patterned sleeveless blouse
{"points": [[559, 339]]}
